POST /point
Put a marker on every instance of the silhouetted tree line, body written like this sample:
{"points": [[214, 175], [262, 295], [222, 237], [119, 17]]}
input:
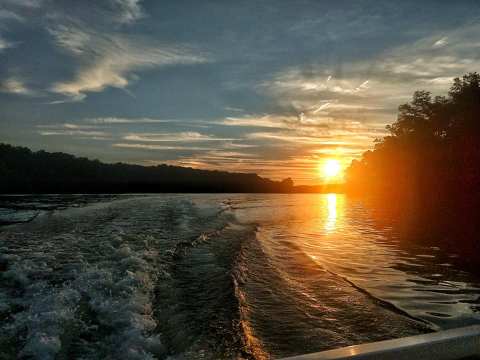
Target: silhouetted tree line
{"points": [[432, 150], [427, 170], [24, 171]]}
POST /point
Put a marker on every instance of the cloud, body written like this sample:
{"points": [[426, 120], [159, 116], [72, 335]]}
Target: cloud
{"points": [[311, 134], [295, 79], [320, 111], [108, 60], [231, 154], [370, 91], [15, 86], [441, 42], [234, 109], [77, 133], [4, 44], [5, 16], [303, 168], [129, 10], [67, 126], [175, 137], [116, 120], [160, 147], [10, 15], [333, 138], [25, 3], [254, 121]]}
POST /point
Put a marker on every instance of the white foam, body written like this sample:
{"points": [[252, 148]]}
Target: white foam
{"points": [[93, 282], [119, 291]]}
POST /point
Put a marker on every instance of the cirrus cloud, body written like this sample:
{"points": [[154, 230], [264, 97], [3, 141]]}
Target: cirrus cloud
{"points": [[173, 137], [108, 60]]}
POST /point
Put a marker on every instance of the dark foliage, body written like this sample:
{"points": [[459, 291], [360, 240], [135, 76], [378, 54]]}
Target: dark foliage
{"points": [[433, 148], [24, 171], [427, 170]]}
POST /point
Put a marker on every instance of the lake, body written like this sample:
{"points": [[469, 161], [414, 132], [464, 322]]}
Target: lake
{"points": [[218, 276]]}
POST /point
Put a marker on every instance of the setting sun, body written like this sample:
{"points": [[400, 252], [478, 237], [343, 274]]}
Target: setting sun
{"points": [[331, 168]]}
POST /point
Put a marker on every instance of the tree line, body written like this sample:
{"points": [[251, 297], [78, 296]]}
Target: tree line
{"points": [[26, 171], [426, 171], [432, 149]]}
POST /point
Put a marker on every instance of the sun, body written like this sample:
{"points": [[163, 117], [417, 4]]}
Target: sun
{"points": [[331, 168]]}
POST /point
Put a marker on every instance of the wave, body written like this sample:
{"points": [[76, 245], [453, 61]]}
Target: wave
{"points": [[131, 279], [198, 311], [253, 346], [387, 304], [381, 302], [177, 277], [291, 304]]}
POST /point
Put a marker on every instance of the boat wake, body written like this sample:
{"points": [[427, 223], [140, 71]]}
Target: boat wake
{"points": [[191, 277], [131, 279]]}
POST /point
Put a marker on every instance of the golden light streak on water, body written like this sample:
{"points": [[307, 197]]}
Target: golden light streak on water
{"points": [[332, 213]]}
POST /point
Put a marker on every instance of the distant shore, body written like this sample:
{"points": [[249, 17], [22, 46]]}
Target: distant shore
{"points": [[23, 171]]}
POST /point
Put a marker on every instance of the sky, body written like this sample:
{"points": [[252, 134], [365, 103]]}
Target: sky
{"points": [[273, 87]]}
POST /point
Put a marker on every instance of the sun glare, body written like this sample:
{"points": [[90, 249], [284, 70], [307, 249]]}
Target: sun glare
{"points": [[331, 168]]}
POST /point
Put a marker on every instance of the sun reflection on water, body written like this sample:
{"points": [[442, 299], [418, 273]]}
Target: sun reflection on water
{"points": [[332, 214], [325, 252]]}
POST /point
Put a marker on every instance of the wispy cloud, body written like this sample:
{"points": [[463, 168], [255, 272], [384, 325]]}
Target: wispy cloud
{"points": [[304, 167], [394, 72], [108, 60], [267, 121], [161, 147], [370, 92], [286, 145], [4, 44], [25, 3], [234, 109], [173, 137], [67, 126], [441, 42], [77, 133], [117, 120], [332, 139], [10, 15], [15, 86], [129, 11], [431, 57]]}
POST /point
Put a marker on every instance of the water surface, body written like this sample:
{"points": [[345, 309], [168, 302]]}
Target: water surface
{"points": [[221, 276]]}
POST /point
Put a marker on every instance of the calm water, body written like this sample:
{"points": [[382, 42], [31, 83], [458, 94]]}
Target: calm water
{"points": [[220, 276]]}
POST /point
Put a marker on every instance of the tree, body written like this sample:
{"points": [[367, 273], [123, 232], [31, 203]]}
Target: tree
{"points": [[432, 145]]}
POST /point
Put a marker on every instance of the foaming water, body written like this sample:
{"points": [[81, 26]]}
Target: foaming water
{"points": [[129, 279], [220, 277]]}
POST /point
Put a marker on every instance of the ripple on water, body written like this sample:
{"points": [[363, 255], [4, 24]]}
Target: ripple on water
{"points": [[220, 276]]}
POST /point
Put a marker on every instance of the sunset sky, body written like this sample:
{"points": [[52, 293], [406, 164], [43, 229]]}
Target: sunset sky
{"points": [[273, 87]]}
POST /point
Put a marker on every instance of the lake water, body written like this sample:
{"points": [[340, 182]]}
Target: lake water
{"points": [[218, 276]]}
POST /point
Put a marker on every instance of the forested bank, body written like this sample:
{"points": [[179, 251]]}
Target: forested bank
{"points": [[427, 169], [432, 148], [25, 171]]}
